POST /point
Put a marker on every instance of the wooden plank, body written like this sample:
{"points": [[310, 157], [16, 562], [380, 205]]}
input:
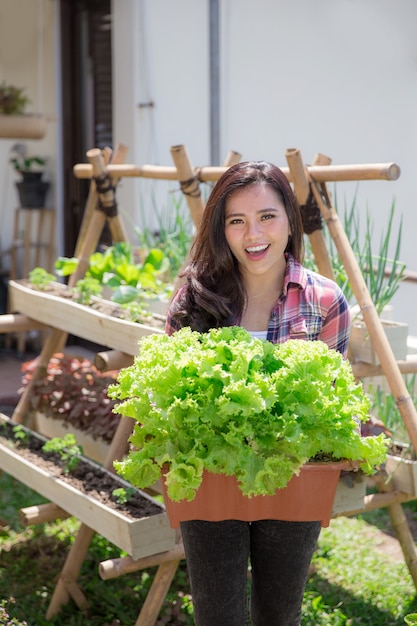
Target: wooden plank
{"points": [[77, 319]]}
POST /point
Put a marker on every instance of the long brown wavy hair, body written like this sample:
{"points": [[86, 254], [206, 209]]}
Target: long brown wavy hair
{"points": [[215, 292]]}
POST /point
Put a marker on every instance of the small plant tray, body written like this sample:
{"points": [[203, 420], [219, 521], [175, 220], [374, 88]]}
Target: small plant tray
{"points": [[350, 494], [139, 537], [78, 319], [361, 346], [95, 449], [403, 473]]}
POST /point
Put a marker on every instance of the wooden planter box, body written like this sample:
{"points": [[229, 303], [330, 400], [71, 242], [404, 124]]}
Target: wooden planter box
{"points": [[138, 537], [77, 319], [95, 449], [402, 473], [22, 126], [307, 497], [349, 497], [361, 346]]}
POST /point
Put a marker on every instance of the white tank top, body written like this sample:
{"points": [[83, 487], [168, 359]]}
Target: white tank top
{"points": [[258, 334]]}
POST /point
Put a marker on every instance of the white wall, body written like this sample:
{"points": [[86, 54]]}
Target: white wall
{"points": [[330, 76], [27, 59]]}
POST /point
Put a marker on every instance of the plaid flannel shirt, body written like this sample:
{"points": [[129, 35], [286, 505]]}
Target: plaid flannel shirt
{"points": [[310, 307]]}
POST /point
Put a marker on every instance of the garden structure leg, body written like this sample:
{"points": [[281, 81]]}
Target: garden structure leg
{"points": [[400, 525], [157, 593], [311, 216], [67, 586], [382, 347]]}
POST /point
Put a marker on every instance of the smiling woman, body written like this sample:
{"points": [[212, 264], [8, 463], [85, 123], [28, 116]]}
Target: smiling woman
{"points": [[245, 270]]}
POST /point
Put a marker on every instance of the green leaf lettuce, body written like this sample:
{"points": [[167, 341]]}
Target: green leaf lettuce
{"points": [[236, 405]]}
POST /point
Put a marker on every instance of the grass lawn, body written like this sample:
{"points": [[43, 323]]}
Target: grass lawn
{"points": [[355, 582]]}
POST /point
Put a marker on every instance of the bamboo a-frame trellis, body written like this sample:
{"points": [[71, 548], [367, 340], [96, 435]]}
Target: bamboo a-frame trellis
{"points": [[310, 188]]}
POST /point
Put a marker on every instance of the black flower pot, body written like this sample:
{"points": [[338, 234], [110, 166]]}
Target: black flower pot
{"points": [[32, 191]]}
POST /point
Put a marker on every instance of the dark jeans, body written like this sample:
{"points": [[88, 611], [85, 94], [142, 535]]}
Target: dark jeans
{"points": [[217, 556]]}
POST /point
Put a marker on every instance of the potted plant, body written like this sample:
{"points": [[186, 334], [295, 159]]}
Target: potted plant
{"points": [[15, 123], [223, 403], [31, 188]]}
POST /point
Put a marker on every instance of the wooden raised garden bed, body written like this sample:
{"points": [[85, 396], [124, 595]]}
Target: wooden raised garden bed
{"points": [[140, 533], [99, 325], [402, 471]]}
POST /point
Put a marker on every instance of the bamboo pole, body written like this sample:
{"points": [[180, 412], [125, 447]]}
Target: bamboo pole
{"points": [[48, 349], [383, 349], [374, 501], [232, 158], [112, 360], [189, 182], [41, 513], [66, 585], [210, 173], [376, 332], [113, 568], [400, 526], [302, 192], [91, 205], [94, 220], [156, 594], [107, 197], [17, 322]]}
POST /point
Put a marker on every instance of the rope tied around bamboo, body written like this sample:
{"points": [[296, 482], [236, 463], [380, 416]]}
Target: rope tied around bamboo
{"points": [[311, 215], [190, 187], [106, 195]]}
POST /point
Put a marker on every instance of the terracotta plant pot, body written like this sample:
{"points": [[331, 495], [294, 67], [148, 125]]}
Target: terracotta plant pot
{"points": [[307, 497]]}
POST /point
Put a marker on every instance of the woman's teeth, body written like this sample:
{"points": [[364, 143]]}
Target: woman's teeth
{"points": [[260, 248]]}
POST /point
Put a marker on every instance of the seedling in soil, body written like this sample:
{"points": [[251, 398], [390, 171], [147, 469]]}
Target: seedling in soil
{"points": [[68, 450], [122, 494], [21, 435]]}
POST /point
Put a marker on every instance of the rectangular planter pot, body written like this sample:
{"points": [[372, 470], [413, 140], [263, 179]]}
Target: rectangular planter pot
{"points": [[349, 497], [31, 126], [77, 319], [307, 497], [402, 473], [95, 449], [361, 346], [138, 537]]}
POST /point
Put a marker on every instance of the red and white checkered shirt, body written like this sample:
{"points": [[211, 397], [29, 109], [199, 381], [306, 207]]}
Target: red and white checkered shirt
{"points": [[310, 307]]}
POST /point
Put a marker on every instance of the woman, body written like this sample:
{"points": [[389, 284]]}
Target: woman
{"points": [[246, 270]]}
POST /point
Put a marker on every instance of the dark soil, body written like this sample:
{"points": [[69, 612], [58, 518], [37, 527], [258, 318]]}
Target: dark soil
{"points": [[87, 477]]}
